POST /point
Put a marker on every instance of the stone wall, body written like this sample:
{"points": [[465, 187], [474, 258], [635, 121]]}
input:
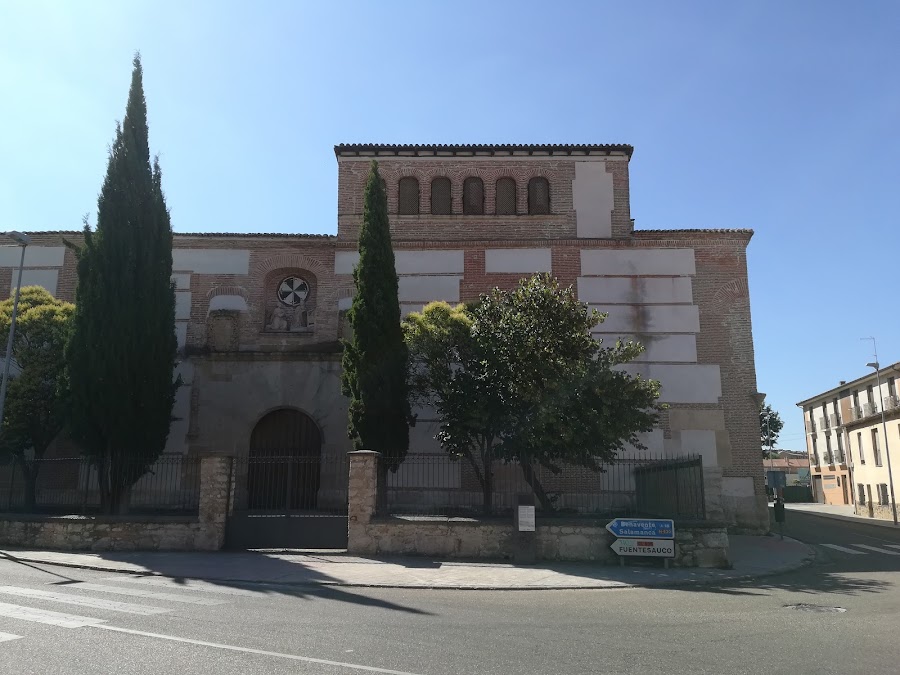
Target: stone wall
{"points": [[206, 532], [696, 545]]}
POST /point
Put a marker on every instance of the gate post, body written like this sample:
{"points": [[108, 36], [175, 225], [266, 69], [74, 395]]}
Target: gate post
{"points": [[215, 494], [362, 496]]}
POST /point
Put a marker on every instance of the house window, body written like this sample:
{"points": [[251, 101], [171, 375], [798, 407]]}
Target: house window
{"points": [[883, 498], [862, 494], [538, 197], [815, 452], [441, 197], [506, 197], [828, 456], [840, 443], [892, 388], [473, 197], [862, 455], [876, 451], [408, 198], [869, 394], [855, 398]]}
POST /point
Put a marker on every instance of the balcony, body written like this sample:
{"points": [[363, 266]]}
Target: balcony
{"points": [[891, 403], [823, 422], [869, 409]]}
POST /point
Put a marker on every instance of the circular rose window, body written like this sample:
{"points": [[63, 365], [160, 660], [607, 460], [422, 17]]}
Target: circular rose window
{"points": [[292, 291]]}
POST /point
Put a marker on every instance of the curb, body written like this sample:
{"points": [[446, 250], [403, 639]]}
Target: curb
{"points": [[859, 520], [808, 560]]}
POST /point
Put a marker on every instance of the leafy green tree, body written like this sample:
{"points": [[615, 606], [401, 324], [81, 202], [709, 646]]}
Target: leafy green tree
{"points": [[37, 395], [375, 359], [123, 348], [770, 426], [517, 377]]}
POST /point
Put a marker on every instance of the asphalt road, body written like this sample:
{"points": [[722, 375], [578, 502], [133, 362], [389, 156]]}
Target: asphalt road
{"points": [[172, 626]]}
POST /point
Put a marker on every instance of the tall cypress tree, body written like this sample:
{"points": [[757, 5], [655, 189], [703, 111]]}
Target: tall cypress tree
{"points": [[375, 360], [122, 352]]}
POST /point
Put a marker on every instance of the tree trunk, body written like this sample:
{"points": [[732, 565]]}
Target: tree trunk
{"points": [[536, 487], [29, 476], [487, 488]]}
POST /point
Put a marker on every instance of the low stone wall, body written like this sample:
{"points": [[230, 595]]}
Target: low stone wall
{"points": [[205, 532], [880, 511], [696, 544], [564, 540]]}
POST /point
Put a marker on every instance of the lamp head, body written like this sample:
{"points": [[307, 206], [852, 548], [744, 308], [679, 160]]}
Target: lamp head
{"points": [[19, 237], [873, 364]]}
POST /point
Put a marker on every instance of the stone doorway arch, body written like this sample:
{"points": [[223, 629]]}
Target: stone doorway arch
{"points": [[284, 463]]}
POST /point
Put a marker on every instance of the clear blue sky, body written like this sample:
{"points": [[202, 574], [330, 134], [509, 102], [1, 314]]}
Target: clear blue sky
{"points": [[778, 116]]}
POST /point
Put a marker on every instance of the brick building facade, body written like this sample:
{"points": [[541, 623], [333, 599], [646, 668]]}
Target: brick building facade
{"points": [[259, 316]]}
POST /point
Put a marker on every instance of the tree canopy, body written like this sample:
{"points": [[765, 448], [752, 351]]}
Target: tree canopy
{"points": [[518, 377], [37, 396], [770, 426], [122, 353]]}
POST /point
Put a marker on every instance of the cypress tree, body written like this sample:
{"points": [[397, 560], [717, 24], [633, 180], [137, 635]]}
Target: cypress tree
{"points": [[375, 359], [122, 352]]}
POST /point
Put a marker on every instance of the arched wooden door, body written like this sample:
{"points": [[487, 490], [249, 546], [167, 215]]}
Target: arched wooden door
{"points": [[283, 471]]}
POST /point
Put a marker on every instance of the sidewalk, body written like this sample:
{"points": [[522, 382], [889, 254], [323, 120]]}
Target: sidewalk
{"points": [[839, 512], [751, 557]]}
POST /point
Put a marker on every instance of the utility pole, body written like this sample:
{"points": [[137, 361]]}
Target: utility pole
{"points": [[887, 447], [23, 241]]}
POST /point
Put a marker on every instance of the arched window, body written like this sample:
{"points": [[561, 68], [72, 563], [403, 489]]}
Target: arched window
{"points": [[408, 199], [441, 197], [506, 197], [538, 197], [473, 197]]}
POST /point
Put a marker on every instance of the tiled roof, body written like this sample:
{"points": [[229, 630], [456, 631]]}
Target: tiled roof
{"points": [[702, 230], [490, 149], [295, 235]]}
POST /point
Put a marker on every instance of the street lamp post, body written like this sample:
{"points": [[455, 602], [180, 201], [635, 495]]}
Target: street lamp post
{"points": [[887, 447], [23, 241]]}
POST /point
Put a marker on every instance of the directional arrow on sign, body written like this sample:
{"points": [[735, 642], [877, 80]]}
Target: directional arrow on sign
{"points": [[654, 548], [650, 528]]}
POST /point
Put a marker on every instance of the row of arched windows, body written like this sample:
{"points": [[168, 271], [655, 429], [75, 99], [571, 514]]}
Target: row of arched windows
{"points": [[473, 197]]}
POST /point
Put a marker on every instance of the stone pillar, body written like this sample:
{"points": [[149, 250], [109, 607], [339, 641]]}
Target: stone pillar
{"points": [[361, 501], [712, 493], [215, 493]]}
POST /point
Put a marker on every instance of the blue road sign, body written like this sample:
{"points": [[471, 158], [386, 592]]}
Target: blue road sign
{"points": [[650, 528]]}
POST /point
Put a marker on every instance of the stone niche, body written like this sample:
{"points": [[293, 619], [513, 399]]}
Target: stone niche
{"points": [[290, 302], [223, 330]]}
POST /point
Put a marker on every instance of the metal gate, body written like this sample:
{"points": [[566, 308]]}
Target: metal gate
{"points": [[286, 494]]}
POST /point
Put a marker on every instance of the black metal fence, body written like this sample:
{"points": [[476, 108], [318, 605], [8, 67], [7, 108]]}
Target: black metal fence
{"points": [[70, 486], [290, 483], [671, 488], [639, 485]]}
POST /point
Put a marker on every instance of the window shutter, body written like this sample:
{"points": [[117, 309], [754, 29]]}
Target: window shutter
{"points": [[408, 199], [441, 197], [538, 197], [506, 197], [473, 197]]}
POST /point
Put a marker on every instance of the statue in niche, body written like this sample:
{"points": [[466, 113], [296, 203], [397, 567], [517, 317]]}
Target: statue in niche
{"points": [[278, 320], [300, 319]]}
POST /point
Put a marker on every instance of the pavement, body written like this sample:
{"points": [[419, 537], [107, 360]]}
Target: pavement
{"points": [[751, 557], [839, 512]]}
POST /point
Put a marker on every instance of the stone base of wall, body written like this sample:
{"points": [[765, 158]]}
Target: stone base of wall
{"points": [[703, 545], [880, 511], [105, 533]]}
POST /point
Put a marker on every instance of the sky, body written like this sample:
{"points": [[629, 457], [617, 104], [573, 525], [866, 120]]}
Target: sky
{"points": [[783, 117]]}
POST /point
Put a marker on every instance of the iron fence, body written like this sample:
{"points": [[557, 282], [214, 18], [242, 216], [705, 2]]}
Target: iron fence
{"points": [[289, 483], [71, 486], [636, 485]]}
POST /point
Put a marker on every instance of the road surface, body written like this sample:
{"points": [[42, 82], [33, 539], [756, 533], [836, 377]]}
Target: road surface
{"points": [[59, 620]]}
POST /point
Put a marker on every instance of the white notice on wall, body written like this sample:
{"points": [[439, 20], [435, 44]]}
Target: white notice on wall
{"points": [[526, 519]]}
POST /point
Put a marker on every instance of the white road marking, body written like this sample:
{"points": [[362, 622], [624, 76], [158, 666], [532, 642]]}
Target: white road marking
{"points": [[261, 652], [876, 549], [141, 593], [6, 637], [46, 616], [844, 549], [893, 545], [187, 585], [84, 601]]}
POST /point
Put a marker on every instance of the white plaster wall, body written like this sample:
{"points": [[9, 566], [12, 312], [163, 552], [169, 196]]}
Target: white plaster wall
{"points": [[634, 262], [182, 282], [681, 383], [211, 261], [427, 288], [408, 262], [232, 302], [592, 197], [181, 333], [679, 348], [649, 319], [517, 260], [635, 290], [700, 442], [35, 256], [182, 305], [44, 278], [181, 411]]}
